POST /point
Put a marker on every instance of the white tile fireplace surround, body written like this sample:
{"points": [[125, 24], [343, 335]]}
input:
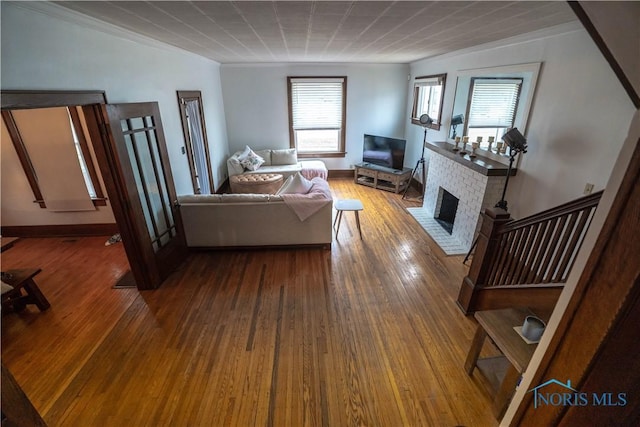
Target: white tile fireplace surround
{"points": [[477, 183]]}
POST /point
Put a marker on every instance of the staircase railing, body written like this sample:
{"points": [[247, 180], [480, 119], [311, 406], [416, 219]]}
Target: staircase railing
{"points": [[527, 260]]}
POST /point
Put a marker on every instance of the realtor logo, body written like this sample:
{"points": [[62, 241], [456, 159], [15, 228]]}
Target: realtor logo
{"points": [[563, 394]]}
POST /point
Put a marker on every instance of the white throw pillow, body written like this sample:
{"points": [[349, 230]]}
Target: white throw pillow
{"points": [[244, 153], [284, 185], [252, 161], [297, 185], [284, 157]]}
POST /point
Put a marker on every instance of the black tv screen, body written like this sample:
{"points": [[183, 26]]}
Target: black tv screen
{"points": [[383, 151]]}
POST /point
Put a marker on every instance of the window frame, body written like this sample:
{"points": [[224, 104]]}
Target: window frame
{"points": [[441, 80], [341, 151], [27, 166]]}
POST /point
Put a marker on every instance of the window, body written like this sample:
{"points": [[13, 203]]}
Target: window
{"points": [[84, 166], [60, 135], [317, 115], [492, 107], [427, 99]]}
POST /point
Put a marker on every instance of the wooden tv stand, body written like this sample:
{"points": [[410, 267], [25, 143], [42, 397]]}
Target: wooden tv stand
{"points": [[381, 177]]}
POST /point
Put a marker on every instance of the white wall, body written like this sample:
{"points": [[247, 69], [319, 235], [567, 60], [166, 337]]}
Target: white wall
{"points": [[43, 49], [578, 121], [618, 23], [255, 101]]}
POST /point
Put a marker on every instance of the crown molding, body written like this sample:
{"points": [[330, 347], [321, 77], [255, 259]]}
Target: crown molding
{"points": [[67, 15]]}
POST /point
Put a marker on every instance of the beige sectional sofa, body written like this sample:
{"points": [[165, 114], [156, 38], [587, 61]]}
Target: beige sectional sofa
{"points": [[249, 220]]}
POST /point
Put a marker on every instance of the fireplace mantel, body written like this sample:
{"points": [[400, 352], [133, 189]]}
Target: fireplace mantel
{"points": [[480, 164]]}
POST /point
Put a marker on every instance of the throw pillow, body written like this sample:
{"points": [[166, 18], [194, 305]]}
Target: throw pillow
{"points": [[298, 185], [284, 185], [266, 155], [252, 161], [284, 157], [244, 153]]}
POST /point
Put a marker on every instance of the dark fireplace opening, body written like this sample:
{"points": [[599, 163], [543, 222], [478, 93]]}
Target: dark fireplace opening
{"points": [[446, 210]]}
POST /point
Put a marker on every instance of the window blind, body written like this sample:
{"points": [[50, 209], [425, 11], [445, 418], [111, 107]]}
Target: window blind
{"points": [[428, 81], [494, 102], [316, 103]]}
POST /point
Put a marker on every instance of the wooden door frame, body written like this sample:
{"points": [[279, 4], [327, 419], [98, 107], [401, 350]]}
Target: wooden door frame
{"points": [[188, 95], [93, 102]]}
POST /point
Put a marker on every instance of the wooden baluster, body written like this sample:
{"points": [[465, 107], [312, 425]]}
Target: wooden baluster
{"points": [[488, 242]]}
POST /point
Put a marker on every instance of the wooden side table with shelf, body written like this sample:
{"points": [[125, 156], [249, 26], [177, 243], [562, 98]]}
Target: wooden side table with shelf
{"points": [[498, 325], [381, 177]]}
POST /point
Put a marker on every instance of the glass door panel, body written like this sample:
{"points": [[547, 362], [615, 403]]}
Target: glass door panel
{"points": [[139, 138]]}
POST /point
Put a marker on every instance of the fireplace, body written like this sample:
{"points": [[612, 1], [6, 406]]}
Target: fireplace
{"points": [[473, 185], [446, 208]]}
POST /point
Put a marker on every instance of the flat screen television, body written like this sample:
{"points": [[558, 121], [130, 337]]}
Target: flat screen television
{"points": [[383, 151]]}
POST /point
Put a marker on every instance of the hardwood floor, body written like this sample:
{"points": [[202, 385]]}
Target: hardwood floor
{"points": [[367, 333]]}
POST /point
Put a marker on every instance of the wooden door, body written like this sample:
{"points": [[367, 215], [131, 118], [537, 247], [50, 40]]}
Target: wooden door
{"points": [[147, 193]]}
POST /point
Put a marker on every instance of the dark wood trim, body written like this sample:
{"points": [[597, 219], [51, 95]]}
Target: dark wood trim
{"points": [[326, 246], [59, 230], [600, 43], [93, 103], [596, 321], [480, 164], [416, 91], [564, 209], [189, 95], [99, 200], [321, 155], [343, 131], [539, 298], [23, 156], [26, 99], [340, 173], [16, 406]]}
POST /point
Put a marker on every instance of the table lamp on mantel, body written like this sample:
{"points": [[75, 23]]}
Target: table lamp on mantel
{"points": [[455, 121]]}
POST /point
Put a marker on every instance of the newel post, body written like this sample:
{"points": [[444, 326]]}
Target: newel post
{"points": [[488, 241]]}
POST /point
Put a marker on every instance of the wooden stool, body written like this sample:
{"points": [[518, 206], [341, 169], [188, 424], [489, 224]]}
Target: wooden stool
{"points": [[19, 279], [354, 205]]}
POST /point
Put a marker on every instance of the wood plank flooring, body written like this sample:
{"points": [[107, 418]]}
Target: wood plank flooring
{"points": [[365, 334]]}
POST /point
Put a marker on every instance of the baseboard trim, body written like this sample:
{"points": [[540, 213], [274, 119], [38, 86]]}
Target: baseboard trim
{"points": [[225, 187], [62, 230], [341, 173]]}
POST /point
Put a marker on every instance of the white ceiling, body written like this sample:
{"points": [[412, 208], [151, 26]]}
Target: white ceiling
{"points": [[326, 31]]}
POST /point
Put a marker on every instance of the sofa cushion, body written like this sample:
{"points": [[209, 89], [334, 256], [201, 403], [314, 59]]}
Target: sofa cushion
{"points": [[199, 198], [244, 198], [266, 155], [296, 184], [284, 157]]}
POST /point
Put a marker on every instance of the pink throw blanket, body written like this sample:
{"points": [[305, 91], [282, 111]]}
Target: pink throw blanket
{"points": [[305, 205], [312, 169]]}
